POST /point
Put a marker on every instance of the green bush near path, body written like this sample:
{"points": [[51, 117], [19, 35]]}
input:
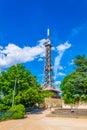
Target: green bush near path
{"points": [[18, 111], [15, 112], [6, 116]]}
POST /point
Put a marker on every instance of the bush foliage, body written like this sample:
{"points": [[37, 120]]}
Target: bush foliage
{"points": [[18, 111], [74, 86], [15, 112]]}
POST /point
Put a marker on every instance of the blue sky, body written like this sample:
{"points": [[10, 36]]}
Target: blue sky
{"points": [[23, 30]]}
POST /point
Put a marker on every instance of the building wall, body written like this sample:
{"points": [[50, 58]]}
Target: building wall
{"points": [[53, 103], [77, 106], [59, 103]]}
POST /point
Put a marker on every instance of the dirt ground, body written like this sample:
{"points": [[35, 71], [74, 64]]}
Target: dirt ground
{"points": [[41, 122]]}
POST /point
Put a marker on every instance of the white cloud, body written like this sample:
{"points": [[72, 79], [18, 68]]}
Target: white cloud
{"points": [[1, 47], [61, 49], [72, 62], [42, 42], [40, 59], [61, 74], [61, 68], [53, 48], [57, 82], [13, 54]]}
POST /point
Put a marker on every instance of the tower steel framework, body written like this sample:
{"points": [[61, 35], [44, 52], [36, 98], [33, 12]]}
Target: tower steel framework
{"points": [[48, 82]]}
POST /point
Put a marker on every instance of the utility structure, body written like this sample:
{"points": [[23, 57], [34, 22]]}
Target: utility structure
{"points": [[48, 81]]}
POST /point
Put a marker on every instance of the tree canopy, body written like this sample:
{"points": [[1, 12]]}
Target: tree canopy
{"points": [[74, 86], [20, 85]]}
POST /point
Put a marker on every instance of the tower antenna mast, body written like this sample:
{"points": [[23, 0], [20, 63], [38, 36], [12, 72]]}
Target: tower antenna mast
{"points": [[48, 83]]}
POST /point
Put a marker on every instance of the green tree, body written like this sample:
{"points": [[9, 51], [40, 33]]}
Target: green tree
{"points": [[81, 63], [19, 86], [74, 86], [21, 78]]}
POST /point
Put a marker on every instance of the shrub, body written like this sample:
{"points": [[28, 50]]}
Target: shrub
{"points": [[18, 111], [3, 107], [6, 116]]}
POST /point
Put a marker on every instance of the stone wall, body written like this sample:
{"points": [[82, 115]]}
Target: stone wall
{"points": [[77, 106], [53, 103], [59, 103]]}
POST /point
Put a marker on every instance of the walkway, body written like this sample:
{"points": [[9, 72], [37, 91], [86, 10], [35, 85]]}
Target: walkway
{"points": [[41, 122]]}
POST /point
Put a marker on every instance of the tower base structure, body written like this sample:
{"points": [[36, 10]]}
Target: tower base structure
{"points": [[52, 89]]}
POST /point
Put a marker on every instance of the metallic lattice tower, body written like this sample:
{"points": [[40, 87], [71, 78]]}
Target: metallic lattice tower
{"points": [[48, 82]]}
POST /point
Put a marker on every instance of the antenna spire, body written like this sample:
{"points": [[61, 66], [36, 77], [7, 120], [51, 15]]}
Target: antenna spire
{"points": [[48, 33]]}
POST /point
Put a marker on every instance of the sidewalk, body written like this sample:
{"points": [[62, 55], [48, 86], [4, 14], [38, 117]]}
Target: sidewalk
{"points": [[41, 122]]}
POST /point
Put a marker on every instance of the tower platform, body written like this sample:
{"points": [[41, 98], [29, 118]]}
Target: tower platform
{"points": [[52, 89]]}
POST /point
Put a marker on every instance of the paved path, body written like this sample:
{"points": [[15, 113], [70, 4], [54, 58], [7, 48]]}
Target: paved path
{"points": [[41, 122]]}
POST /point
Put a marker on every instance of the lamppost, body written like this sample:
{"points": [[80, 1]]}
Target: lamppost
{"points": [[14, 92]]}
